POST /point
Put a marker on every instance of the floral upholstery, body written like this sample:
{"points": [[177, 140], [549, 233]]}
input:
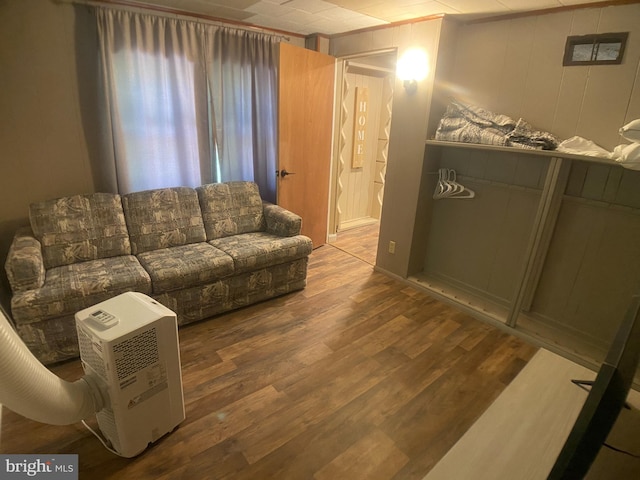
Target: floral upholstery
{"points": [[70, 288], [84, 249], [281, 222], [80, 228], [195, 303], [252, 251], [51, 340], [25, 265], [163, 218], [231, 208], [185, 266]]}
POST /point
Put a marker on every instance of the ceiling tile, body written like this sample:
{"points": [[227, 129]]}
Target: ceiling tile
{"points": [[476, 6], [337, 16], [310, 6], [516, 5]]}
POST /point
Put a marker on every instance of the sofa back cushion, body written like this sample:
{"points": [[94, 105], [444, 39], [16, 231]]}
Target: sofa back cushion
{"points": [[80, 228], [231, 208], [166, 217]]}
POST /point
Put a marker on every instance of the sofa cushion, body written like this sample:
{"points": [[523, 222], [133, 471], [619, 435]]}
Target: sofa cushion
{"points": [[185, 266], [70, 288], [80, 228], [166, 217], [231, 208], [251, 251]]}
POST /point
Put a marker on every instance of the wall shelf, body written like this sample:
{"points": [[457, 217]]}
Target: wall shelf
{"points": [[545, 250], [523, 151]]}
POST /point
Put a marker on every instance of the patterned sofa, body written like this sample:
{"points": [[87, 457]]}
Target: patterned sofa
{"points": [[200, 252]]}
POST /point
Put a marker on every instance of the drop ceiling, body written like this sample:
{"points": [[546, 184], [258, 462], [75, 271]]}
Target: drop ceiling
{"points": [[331, 17]]}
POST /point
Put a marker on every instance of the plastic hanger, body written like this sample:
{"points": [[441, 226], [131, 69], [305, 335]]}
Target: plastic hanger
{"points": [[448, 186]]}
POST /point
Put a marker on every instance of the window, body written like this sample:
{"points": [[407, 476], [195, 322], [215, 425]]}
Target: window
{"points": [[155, 99], [596, 49]]}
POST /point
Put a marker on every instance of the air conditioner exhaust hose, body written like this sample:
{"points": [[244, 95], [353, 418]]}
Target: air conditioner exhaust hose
{"points": [[28, 388]]}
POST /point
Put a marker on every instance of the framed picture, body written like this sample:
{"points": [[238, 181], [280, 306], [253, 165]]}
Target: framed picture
{"points": [[596, 49]]}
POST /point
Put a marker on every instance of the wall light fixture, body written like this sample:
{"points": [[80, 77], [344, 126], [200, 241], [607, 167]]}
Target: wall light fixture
{"points": [[412, 67]]}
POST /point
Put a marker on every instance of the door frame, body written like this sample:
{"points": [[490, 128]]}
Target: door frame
{"points": [[339, 160]]}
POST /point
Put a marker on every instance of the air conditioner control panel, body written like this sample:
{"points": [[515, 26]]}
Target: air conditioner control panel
{"points": [[103, 319]]}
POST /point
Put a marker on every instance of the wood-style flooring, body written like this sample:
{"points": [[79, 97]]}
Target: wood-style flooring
{"points": [[361, 242], [358, 376]]}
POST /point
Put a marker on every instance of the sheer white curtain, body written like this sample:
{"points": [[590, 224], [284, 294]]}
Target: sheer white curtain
{"points": [[187, 103]]}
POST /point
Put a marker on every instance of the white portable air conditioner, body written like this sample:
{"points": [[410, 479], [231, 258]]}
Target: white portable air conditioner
{"points": [[129, 350]]}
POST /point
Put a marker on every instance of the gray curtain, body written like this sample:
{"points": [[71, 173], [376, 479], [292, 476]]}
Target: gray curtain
{"points": [[187, 103], [241, 71]]}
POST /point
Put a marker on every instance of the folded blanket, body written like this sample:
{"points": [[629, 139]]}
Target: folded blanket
{"points": [[473, 124]]}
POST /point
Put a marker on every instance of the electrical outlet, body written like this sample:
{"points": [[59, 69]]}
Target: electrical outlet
{"points": [[392, 247]]}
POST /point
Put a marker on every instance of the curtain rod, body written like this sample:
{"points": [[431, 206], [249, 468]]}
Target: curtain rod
{"points": [[130, 5]]}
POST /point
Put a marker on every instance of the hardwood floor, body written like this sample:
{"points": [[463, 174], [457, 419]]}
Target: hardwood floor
{"points": [[361, 242], [358, 376]]}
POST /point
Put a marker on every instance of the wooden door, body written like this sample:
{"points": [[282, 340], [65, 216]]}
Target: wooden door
{"points": [[305, 116]]}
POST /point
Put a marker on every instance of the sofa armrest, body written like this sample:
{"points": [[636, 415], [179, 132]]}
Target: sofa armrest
{"points": [[25, 265], [280, 221]]}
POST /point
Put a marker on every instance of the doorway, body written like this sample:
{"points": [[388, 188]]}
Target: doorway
{"points": [[364, 101]]}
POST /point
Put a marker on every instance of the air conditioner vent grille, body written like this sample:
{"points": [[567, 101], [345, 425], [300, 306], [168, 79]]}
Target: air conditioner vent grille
{"points": [[136, 353], [89, 355]]}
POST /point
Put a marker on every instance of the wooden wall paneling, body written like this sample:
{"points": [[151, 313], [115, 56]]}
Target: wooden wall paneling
{"points": [[570, 98], [376, 200], [530, 171], [612, 187], [577, 176], [510, 91], [592, 102], [510, 249], [609, 275], [628, 193], [479, 243], [458, 249], [376, 105], [610, 86], [625, 18], [544, 78], [605, 103], [592, 269], [358, 190], [381, 155], [574, 79], [477, 165], [633, 109], [595, 182], [563, 261], [487, 255], [344, 45], [480, 55], [501, 168]]}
